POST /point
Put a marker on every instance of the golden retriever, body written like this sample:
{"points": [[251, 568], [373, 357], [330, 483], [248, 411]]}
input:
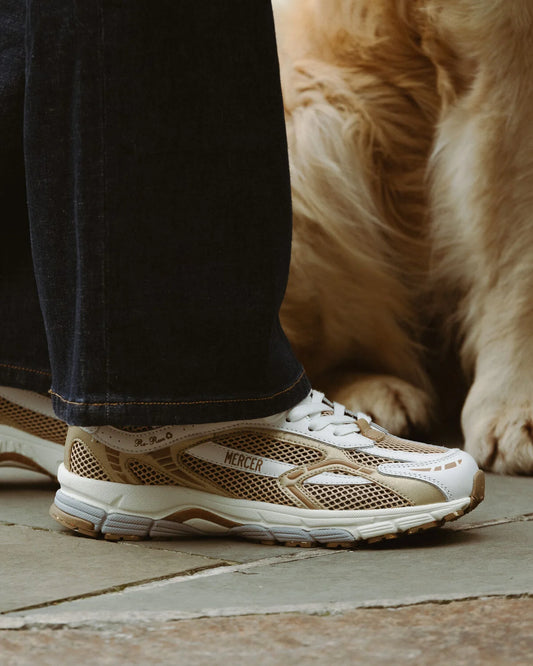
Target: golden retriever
{"points": [[410, 128]]}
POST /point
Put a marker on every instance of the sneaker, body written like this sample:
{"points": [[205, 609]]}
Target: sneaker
{"points": [[315, 474], [31, 437]]}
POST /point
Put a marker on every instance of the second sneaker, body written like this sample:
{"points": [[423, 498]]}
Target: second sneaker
{"points": [[31, 436]]}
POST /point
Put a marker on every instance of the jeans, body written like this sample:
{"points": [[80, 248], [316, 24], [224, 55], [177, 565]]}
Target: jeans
{"points": [[145, 142]]}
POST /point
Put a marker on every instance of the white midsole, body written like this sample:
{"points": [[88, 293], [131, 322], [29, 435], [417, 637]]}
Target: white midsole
{"points": [[46, 454], [157, 502]]}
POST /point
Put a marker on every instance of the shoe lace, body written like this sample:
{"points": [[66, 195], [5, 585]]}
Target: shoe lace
{"points": [[323, 413]]}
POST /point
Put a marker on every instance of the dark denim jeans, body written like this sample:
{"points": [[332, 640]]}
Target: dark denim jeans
{"points": [[148, 138]]}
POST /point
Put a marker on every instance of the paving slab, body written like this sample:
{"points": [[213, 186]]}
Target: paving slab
{"points": [[40, 567], [444, 565], [484, 632], [25, 498]]}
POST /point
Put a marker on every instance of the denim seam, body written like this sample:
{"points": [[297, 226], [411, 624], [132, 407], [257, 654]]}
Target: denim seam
{"points": [[18, 367], [105, 253], [185, 402]]}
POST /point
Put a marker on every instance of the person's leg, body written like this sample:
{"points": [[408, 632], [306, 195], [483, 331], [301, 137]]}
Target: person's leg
{"points": [[158, 191], [30, 435], [312, 473], [159, 202], [23, 350]]}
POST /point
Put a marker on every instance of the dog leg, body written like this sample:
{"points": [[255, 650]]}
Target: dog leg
{"points": [[347, 304], [391, 402], [483, 224]]}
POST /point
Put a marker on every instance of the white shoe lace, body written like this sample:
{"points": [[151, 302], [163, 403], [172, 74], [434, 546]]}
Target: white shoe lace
{"points": [[323, 413]]}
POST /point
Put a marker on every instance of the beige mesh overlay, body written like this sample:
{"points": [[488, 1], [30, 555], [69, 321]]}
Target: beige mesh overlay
{"points": [[148, 475], [391, 442], [240, 484], [269, 446], [174, 466], [31, 422], [354, 497], [365, 459], [84, 463]]}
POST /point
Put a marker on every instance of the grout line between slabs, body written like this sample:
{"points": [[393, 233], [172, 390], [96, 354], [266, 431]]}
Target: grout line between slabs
{"points": [[239, 568], [526, 517], [100, 620], [219, 569], [186, 576]]}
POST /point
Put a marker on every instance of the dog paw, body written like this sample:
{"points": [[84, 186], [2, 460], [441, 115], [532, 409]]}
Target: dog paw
{"points": [[391, 402], [500, 437]]}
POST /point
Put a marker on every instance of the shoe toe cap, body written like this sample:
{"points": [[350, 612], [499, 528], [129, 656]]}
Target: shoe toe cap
{"points": [[453, 473]]}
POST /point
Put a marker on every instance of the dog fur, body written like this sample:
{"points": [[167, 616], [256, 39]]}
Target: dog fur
{"points": [[410, 129]]}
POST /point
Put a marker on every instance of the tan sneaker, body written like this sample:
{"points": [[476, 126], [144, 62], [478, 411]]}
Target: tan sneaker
{"points": [[31, 437], [315, 474]]}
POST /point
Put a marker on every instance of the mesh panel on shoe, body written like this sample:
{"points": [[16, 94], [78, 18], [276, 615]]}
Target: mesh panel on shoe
{"points": [[83, 462], [33, 423], [239, 484], [353, 497], [148, 475], [268, 446], [390, 442], [365, 459]]}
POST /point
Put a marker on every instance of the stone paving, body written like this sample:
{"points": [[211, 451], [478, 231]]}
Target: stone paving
{"points": [[465, 590]]}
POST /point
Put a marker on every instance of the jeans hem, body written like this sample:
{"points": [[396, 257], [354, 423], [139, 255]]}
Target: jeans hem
{"points": [[179, 412]]}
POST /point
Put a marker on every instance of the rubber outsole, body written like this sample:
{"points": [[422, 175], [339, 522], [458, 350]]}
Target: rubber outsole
{"points": [[95, 522]]}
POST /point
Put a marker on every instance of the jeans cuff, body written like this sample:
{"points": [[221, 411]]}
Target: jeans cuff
{"points": [[153, 412]]}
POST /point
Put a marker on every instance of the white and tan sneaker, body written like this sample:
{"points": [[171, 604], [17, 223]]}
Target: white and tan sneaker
{"points": [[315, 474], [31, 436]]}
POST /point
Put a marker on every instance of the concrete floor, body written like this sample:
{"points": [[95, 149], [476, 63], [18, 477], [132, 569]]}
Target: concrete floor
{"points": [[461, 594]]}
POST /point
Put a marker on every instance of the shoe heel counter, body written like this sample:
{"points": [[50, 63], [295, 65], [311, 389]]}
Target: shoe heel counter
{"points": [[85, 456], [72, 436]]}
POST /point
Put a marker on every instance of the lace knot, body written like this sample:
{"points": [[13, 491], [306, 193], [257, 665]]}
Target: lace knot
{"points": [[323, 413]]}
